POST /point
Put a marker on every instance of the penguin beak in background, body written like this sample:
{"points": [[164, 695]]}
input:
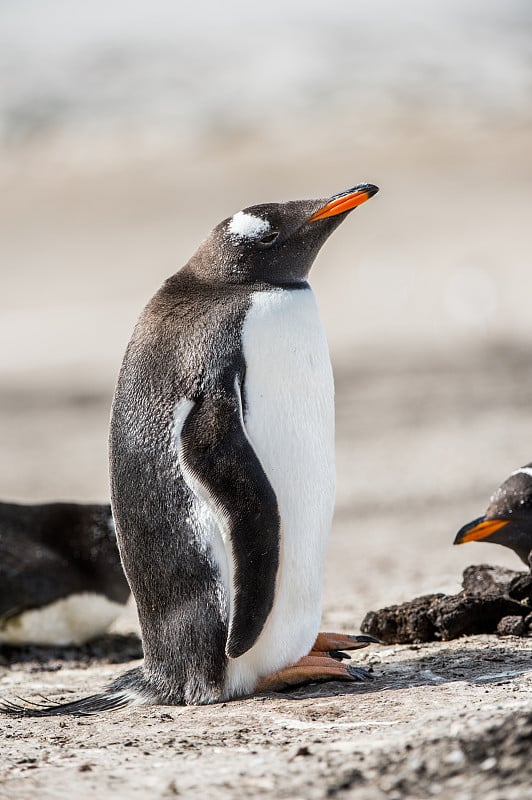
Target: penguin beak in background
{"points": [[345, 201], [479, 529]]}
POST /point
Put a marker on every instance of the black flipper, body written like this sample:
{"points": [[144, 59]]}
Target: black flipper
{"points": [[29, 575], [222, 468]]}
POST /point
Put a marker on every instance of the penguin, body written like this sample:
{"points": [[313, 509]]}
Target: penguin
{"points": [[222, 468], [508, 518], [61, 581]]}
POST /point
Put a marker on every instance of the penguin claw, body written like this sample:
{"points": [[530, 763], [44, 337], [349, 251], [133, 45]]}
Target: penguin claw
{"points": [[358, 673], [336, 654]]}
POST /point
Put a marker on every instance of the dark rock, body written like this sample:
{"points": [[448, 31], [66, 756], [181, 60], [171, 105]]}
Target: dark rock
{"points": [[520, 587], [480, 608], [483, 578], [511, 626], [465, 614], [402, 624]]}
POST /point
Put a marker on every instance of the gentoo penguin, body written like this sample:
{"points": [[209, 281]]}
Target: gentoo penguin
{"points": [[508, 518], [222, 467], [61, 581]]}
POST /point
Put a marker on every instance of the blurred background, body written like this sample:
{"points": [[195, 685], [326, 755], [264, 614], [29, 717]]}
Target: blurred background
{"points": [[128, 130]]}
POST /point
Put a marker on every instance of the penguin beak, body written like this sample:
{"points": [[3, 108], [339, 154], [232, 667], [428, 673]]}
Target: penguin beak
{"points": [[345, 201], [479, 529]]}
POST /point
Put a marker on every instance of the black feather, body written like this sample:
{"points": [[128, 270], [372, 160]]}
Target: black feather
{"points": [[78, 708]]}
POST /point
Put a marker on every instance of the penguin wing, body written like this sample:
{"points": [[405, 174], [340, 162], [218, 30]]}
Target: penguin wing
{"points": [[222, 468], [32, 575]]}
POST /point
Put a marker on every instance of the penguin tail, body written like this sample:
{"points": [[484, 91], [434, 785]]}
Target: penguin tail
{"points": [[128, 689], [94, 704]]}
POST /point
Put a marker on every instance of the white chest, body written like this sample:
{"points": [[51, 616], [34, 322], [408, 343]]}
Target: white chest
{"points": [[289, 419], [289, 396]]}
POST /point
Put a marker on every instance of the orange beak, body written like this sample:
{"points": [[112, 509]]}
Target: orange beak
{"points": [[479, 530], [340, 203]]}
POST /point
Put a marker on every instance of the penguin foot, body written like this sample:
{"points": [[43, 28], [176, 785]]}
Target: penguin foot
{"points": [[335, 642], [310, 669]]}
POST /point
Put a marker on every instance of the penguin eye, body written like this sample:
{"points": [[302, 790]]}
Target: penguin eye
{"points": [[269, 239]]}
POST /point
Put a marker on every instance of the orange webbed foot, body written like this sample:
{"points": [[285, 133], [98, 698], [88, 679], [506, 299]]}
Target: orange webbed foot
{"points": [[323, 663], [309, 669]]}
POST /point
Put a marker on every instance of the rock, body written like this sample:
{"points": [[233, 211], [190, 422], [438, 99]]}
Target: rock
{"points": [[402, 624], [465, 614], [483, 578], [520, 587], [512, 626], [484, 606]]}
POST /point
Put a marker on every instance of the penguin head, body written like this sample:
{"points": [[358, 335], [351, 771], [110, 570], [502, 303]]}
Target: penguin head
{"points": [[276, 242], [508, 518]]}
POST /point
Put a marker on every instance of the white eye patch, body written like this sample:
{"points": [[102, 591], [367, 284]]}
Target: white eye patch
{"points": [[523, 471], [247, 226]]}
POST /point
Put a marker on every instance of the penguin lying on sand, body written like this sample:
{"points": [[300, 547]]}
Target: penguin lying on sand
{"points": [[508, 518], [222, 468], [61, 581]]}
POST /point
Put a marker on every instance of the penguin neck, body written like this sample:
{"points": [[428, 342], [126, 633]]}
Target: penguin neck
{"points": [[200, 281]]}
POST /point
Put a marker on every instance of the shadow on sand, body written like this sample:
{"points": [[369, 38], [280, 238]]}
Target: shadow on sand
{"points": [[473, 665], [112, 648]]}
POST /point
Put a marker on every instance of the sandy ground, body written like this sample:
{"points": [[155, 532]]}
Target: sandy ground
{"points": [[427, 726], [425, 296]]}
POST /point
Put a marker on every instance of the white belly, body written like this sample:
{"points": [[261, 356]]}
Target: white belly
{"points": [[289, 395], [73, 620]]}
